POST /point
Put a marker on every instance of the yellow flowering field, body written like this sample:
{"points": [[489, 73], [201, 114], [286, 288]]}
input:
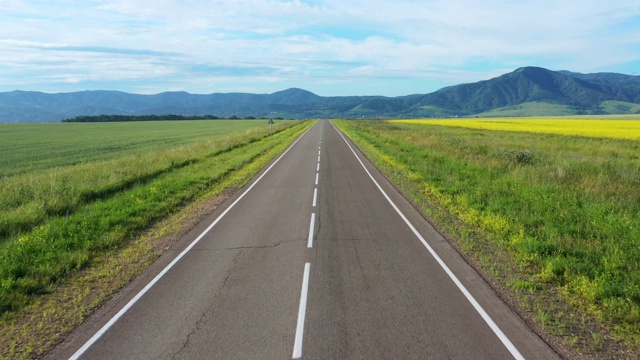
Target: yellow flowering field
{"points": [[617, 129]]}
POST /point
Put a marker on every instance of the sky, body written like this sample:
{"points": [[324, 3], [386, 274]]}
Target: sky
{"points": [[331, 48]]}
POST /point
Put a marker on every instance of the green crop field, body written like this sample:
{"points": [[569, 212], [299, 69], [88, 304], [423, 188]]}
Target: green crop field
{"points": [[50, 169], [72, 193], [29, 148], [554, 218]]}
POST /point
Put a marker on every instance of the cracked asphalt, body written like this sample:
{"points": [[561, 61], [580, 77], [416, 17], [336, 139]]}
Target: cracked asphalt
{"points": [[375, 292]]}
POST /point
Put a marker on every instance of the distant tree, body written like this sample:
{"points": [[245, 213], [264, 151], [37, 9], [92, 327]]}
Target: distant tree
{"points": [[122, 118]]}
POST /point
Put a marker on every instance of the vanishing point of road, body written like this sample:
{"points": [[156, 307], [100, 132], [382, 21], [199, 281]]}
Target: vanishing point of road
{"points": [[319, 257]]}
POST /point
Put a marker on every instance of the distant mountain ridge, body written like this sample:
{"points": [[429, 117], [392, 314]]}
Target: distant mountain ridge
{"points": [[531, 88], [584, 92]]}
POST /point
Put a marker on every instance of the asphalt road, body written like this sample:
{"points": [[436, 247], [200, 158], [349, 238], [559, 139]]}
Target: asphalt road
{"points": [[319, 258]]}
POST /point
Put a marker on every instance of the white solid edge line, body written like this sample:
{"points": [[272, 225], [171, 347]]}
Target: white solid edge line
{"points": [[135, 299], [505, 340], [317, 174], [297, 346], [315, 197], [312, 225]]}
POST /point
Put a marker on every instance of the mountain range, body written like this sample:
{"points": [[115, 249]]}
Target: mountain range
{"points": [[527, 91]]}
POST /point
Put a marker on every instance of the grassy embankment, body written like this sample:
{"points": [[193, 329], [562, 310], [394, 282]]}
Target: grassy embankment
{"points": [[72, 195], [554, 218]]}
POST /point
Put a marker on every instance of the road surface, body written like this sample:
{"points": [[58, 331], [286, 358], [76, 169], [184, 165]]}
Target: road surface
{"points": [[318, 258]]}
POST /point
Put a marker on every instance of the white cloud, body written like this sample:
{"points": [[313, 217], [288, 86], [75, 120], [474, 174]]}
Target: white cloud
{"points": [[302, 41]]}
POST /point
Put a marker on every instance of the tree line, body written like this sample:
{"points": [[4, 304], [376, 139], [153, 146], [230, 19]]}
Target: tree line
{"points": [[167, 117]]}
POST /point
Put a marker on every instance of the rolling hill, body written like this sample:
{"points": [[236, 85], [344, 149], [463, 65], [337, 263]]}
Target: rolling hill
{"points": [[526, 91]]}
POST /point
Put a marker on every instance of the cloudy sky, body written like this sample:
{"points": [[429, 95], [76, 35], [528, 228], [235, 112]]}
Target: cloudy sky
{"points": [[330, 47]]}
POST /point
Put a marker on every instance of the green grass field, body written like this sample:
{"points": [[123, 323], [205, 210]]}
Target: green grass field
{"points": [[70, 192], [529, 109], [50, 169], [30, 148], [543, 213]]}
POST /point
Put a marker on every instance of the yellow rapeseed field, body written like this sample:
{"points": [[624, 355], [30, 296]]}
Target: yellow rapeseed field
{"points": [[617, 129]]}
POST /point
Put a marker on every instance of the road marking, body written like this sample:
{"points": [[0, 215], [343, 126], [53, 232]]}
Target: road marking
{"points": [[317, 174], [318, 152], [311, 229], [139, 295], [297, 346], [315, 196], [318, 158], [318, 167], [505, 340]]}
